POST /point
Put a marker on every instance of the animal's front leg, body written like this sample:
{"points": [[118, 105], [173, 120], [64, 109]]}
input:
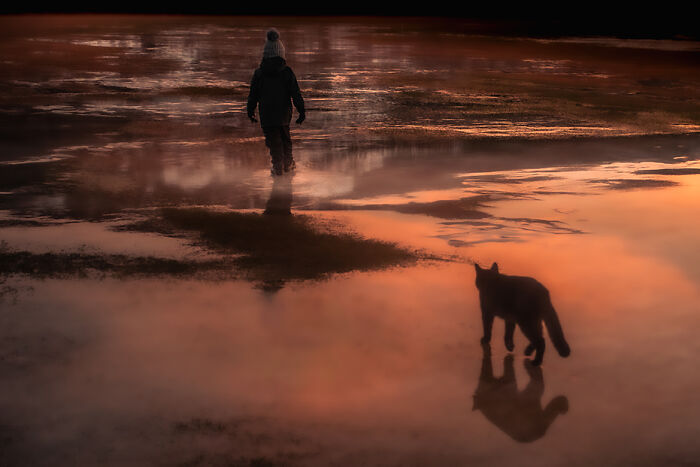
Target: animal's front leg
{"points": [[487, 319], [510, 328]]}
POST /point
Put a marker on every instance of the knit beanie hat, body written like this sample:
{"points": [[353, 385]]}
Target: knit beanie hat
{"points": [[273, 46]]}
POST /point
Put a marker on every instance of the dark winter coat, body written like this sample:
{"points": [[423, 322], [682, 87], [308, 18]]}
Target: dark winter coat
{"points": [[274, 86]]}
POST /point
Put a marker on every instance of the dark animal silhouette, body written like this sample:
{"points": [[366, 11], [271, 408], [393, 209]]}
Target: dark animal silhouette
{"points": [[522, 301], [519, 414]]}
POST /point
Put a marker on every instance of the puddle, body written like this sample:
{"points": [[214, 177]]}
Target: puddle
{"points": [[164, 301]]}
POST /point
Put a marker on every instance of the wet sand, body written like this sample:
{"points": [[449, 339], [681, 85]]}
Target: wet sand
{"points": [[164, 301]]}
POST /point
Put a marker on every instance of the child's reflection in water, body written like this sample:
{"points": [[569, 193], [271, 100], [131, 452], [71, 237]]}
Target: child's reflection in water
{"points": [[280, 201]]}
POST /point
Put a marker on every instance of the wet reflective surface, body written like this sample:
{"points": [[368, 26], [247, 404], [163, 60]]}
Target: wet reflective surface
{"points": [[518, 413], [164, 301]]}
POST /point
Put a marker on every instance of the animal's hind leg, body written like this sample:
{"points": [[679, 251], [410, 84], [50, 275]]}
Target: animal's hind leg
{"points": [[534, 333], [510, 328]]}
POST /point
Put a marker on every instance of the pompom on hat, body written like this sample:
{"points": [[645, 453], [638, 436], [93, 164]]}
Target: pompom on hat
{"points": [[273, 45]]}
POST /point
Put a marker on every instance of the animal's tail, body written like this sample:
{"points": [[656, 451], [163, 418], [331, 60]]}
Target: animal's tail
{"points": [[555, 332]]}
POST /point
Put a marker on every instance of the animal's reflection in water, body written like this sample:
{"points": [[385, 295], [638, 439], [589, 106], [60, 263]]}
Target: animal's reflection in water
{"points": [[280, 201], [519, 414]]}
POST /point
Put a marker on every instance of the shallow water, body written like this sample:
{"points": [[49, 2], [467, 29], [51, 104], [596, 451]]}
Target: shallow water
{"points": [[428, 145]]}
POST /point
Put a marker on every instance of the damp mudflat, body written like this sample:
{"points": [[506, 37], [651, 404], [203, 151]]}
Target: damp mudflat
{"points": [[165, 301]]}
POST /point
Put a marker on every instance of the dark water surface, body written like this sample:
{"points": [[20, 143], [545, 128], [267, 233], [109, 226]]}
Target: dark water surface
{"points": [[159, 305]]}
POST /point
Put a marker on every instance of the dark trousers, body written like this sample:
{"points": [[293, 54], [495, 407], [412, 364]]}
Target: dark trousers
{"points": [[279, 140]]}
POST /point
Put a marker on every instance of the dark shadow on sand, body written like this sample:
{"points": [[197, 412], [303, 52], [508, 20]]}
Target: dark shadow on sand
{"points": [[519, 414], [277, 246], [268, 248], [675, 171], [633, 184], [66, 264], [462, 208]]}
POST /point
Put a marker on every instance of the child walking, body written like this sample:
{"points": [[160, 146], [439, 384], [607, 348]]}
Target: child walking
{"points": [[274, 88]]}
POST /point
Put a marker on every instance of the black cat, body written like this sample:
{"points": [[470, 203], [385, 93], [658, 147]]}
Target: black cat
{"points": [[522, 301]]}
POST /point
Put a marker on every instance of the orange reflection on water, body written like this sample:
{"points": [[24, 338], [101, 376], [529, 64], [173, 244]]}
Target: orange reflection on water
{"points": [[381, 361], [368, 367]]}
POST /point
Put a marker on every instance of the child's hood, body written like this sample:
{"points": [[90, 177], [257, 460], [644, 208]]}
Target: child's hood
{"points": [[272, 66]]}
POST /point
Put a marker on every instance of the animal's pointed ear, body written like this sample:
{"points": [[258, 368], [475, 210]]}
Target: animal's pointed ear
{"points": [[494, 267]]}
